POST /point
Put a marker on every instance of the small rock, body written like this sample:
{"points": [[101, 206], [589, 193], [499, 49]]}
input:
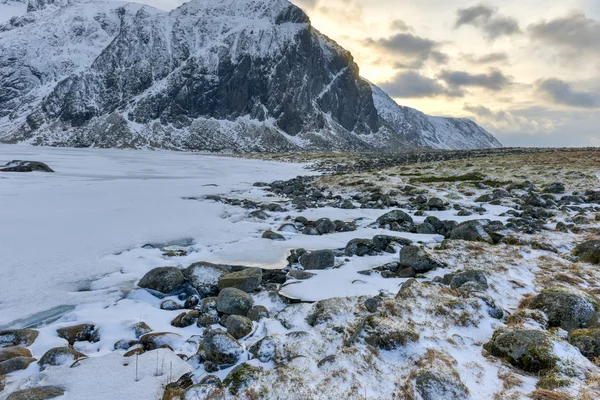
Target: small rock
{"points": [[153, 341], [78, 333], [164, 279], [140, 329], [589, 251], [273, 236], [246, 280], [416, 258], [8, 353], [125, 344], [324, 226], [300, 275], [191, 302], [472, 231], [18, 337], [567, 308], [39, 393], [359, 247], [528, 349], [184, 320], [60, 356], [257, 313], [204, 277], [221, 348], [15, 364], [241, 377], [476, 276], [436, 203], [238, 326], [373, 304], [555, 188], [396, 216], [326, 360], [169, 305], [587, 341], [234, 302], [25, 166], [317, 260]]}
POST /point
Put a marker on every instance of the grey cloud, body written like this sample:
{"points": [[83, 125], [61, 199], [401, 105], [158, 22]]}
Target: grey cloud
{"points": [[574, 32], [487, 19], [494, 80], [561, 92], [415, 48], [399, 25], [411, 84], [487, 58]]}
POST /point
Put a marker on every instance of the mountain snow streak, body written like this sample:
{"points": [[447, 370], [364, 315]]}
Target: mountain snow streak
{"points": [[228, 75]]}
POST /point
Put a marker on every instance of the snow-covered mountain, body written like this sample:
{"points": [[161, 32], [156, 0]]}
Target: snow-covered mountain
{"points": [[228, 75]]}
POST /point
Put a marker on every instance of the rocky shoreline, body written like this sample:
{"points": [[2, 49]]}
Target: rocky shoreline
{"points": [[494, 262]]}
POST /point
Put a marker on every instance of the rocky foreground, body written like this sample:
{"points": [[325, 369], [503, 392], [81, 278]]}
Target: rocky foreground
{"points": [[486, 271]]}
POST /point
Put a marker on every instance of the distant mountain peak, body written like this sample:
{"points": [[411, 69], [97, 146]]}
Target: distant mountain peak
{"points": [[229, 75]]}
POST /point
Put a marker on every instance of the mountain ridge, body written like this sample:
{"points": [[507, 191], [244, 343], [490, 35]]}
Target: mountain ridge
{"points": [[237, 75]]}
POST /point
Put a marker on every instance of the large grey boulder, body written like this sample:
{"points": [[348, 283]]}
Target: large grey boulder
{"points": [[318, 259], [204, 277], [416, 258], [472, 231], [164, 279], [474, 276], [246, 280], [221, 348], [359, 247], [567, 308], [233, 301]]}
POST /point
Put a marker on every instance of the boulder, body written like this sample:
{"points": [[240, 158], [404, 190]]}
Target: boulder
{"points": [[220, 348], [273, 236], [589, 251], [169, 305], [164, 280], [300, 275], [233, 301], [241, 377], [317, 260], [475, 276], [396, 216], [587, 341], [153, 341], [555, 188], [416, 258], [18, 337], [38, 393], [528, 349], [246, 280], [238, 326], [140, 329], [60, 356], [8, 353], [204, 277], [15, 364], [257, 313], [386, 334], [324, 226], [78, 333], [472, 231], [436, 379], [436, 203], [208, 312], [264, 349], [25, 166], [185, 319], [359, 247], [567, 308]]}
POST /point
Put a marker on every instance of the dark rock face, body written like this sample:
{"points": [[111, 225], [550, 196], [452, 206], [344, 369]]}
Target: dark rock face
{"points": [[143, 85]]}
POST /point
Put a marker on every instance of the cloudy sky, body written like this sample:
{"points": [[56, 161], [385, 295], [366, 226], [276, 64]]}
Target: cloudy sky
{"points": [[527, 70]]}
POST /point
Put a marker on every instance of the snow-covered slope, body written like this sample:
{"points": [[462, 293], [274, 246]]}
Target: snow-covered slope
{"points": [[232, 75]]}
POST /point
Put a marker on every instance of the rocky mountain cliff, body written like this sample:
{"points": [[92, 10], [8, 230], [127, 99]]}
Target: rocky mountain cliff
{"points": [[232, 75]]}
